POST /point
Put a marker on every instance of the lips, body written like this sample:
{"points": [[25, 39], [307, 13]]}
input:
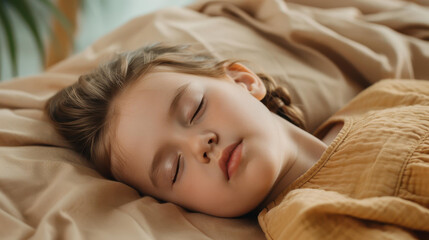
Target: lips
{"points": [[230, 159]]}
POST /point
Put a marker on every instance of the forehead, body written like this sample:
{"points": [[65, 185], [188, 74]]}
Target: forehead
{"points": [[152, 90], [153, 81]]}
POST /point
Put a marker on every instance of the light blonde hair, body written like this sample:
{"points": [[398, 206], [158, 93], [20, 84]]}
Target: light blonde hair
{"points": [[82, 113]]}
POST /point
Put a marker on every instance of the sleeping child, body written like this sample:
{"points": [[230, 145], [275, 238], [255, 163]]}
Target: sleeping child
{"points": [[218, 138]]}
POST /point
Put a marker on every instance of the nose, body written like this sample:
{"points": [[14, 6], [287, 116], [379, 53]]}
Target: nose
{"points": [[201, 146]]}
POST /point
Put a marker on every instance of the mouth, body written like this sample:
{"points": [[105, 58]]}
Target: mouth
{"points": [[230, 159]]}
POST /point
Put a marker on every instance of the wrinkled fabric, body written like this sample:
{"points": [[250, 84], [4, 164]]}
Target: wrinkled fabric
{"points": [[324, 53], [373, 180]]}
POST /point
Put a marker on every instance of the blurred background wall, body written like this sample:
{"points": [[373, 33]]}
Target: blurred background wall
{"points": [[91, 19]]}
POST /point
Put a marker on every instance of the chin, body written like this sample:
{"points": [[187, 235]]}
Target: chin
{"points": [[234, 209], [221, 212]]}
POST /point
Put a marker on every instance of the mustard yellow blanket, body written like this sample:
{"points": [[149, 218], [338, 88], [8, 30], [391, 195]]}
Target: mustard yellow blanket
{"points": [[373, 180], [325, 52]]}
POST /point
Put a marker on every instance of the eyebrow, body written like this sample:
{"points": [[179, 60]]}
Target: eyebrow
{"points": [[156, 162]]}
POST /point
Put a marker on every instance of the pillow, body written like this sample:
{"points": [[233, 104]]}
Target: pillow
{"points": [[321, 53]]}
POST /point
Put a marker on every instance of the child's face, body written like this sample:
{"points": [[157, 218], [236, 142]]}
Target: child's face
{"points": [[210, 117]]}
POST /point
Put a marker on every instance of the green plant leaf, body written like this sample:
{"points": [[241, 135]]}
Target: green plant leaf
{"points": [[1, 63], [10, 38], [26, 13]]}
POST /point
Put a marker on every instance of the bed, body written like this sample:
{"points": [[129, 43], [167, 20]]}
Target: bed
{"points": [[325, 52]]}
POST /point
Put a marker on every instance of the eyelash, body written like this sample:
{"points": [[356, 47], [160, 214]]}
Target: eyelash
{"points": [[177, 168], [198, 109]]}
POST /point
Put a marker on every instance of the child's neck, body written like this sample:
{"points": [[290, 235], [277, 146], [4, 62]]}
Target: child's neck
{"points": [[309, 149]]}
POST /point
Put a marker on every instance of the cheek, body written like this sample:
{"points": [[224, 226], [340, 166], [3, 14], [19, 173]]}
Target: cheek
{"points": [[259, 176], [202, 196], [205, 194], [198, 186]]}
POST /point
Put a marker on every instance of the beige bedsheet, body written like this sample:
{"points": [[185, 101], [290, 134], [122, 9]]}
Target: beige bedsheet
{"points": [[324, 51]]}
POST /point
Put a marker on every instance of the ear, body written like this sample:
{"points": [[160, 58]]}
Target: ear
{"points": [[247, 79]]}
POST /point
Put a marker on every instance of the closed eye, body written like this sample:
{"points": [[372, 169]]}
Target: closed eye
{"points": [[198, 109], [177, 169]]}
